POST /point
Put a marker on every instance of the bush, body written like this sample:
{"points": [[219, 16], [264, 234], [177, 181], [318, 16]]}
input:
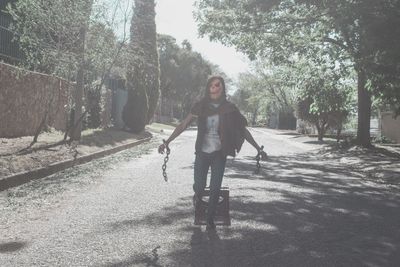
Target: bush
{"points": [[382, 140], [93, 104], [135, 111]]}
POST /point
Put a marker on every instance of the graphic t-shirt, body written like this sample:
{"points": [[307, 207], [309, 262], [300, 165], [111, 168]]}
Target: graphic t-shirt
{"points": [[229, 126], [211, 141]]}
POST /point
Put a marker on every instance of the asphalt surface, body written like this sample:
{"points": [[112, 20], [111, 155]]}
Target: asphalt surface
{"points": [[303, 209]]}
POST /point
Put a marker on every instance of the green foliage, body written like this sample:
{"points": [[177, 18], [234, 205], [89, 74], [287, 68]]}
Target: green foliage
{"points": [[93, 102], [191, 78], [275, 29], [250, 96], [48, 33], [136, 108], [145, 39], [184, 73], [324, 98], [101, 48], [367, 34], [357, 34], [144, 43], [383, 140], [169, 57], [143, 68]]}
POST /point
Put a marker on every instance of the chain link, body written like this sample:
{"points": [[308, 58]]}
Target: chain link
{"points": [[258, 157], [164, 166]]}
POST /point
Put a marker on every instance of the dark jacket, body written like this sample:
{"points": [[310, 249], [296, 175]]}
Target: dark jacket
{"points": [[231, 125]]}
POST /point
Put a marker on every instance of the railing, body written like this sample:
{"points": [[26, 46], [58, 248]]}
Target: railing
{"points": [[9, 48]]}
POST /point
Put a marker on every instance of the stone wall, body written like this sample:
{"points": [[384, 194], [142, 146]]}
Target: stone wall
{"points": [[25, 97]]}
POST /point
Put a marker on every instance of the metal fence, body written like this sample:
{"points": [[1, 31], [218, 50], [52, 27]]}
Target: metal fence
{"points": [[9, 48]]}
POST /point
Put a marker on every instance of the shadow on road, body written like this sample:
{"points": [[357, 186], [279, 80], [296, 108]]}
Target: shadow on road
{"points": [[11, 246], [141, 260], [301, 210]]}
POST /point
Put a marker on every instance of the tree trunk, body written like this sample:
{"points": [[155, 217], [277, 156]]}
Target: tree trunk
{"points": [[76, 133], [254, 116], [171, 110], [338, 133], [320, 131], [40, 128], [44, 119], [364, 111]]}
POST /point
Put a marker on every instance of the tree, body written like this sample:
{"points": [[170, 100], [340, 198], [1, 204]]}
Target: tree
{"points": [[74, 40], [143, 75], [54, 42], [343, 29], [250, 96], [48, 33], [383, 66], [278, 84], [191, 78], [135, 111], [183, 74], [169, 57], [323, 100], [320, 93]]}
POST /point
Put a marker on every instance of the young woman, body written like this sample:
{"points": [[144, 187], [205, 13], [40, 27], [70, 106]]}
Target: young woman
{"points": [[221, 132]]}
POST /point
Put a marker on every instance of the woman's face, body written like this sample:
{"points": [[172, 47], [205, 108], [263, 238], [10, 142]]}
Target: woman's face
{"points": [[215, 89]]}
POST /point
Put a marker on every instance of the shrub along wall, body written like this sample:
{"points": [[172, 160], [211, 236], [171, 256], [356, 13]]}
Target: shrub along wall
{"points": [[25, 97]]}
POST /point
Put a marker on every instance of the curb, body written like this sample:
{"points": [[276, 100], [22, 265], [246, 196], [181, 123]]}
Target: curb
{"points": [[24, 177]]}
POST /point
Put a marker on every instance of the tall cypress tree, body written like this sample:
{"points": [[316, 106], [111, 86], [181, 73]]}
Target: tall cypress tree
{"points": [[135, 111], [153, 63], [143, 74]]}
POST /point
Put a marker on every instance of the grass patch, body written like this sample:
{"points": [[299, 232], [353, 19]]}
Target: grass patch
{"points": [[159, 127]]}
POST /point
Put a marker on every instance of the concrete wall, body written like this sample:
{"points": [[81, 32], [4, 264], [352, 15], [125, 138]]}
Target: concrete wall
{"points": [[390, 127], [24, 98]]}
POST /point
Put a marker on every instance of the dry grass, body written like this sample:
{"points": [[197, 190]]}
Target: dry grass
{"points": [[14, 159]]}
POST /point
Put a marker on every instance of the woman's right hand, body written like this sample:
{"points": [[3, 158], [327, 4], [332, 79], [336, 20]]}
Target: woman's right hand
{"points": [[161, 148]]}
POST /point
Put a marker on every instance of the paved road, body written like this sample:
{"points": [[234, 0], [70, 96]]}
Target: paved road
{"points": [[303, 209]]}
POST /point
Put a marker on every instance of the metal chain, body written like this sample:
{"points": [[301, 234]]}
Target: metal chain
{"points": [[258, 157], [164, 166]]}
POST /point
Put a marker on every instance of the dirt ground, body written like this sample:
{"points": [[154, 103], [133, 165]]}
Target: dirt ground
{"points": [[382, 162], [15, 158]]}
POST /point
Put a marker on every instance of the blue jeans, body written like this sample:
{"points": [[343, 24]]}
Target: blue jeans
{"points": [[216, 160]]}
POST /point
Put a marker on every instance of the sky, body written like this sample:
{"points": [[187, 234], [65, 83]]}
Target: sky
{"points": [[175, 18]]}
